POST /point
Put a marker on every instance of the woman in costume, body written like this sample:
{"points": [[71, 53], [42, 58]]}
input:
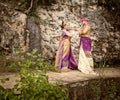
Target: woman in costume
{"points": [[85, 63], [64, 57]]}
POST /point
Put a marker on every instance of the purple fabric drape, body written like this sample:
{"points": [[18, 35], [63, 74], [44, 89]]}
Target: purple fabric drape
{"points": [[69, 57], [86, 43]]}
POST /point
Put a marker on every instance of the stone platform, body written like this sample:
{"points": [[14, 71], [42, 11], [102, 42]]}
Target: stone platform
{"points": [[75, 76], [68, 77], [82, 86], [105, 86]]}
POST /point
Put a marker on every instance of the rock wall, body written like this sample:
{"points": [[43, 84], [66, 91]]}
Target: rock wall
{"points": [[34, 34], [105, 37], [42, 30], [12, 30], [98, 89]]}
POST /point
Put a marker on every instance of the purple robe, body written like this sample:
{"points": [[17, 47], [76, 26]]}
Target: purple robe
{"points": [[66, 58]]}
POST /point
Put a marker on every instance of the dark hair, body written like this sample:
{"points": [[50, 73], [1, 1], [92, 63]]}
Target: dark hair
{"points": [[62, 25]]}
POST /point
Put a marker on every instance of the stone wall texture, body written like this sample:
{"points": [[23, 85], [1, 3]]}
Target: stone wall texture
{"points": [[105, 35], [43, 29], [12, 30]]}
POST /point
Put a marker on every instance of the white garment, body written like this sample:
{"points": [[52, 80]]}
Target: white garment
{"points": [[84, 63]]}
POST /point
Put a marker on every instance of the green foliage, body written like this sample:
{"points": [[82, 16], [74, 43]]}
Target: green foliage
{"points": [[4, 80], [32, 60], [33, 84]]}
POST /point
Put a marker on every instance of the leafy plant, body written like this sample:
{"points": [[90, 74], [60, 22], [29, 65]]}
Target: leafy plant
{"points": [[33, 83], [31, 60]]}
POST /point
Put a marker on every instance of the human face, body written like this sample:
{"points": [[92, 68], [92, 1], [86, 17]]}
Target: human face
{"points": [[65, 27], [85, 22]]}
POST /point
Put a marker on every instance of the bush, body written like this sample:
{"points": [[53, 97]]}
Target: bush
{"points": [[33, 84]]}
